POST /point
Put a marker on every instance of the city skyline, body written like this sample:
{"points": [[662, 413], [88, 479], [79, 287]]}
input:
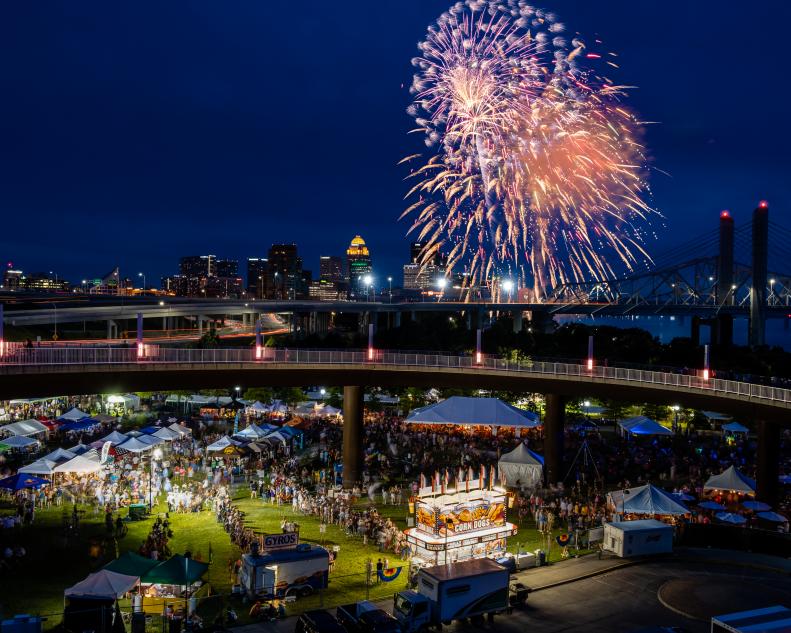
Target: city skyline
{"points": [[145, 161]]}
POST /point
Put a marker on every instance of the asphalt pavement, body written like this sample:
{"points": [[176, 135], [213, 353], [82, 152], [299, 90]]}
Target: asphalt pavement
{"points": [[613, 595]]}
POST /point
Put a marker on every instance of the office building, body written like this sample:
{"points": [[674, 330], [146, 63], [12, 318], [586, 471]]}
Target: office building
{"points": [[358, 263], [257, 271], [285, 274], [331, 269]]}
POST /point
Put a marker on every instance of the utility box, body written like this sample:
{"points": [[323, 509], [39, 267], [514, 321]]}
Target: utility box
{"points": [[638, 538]]}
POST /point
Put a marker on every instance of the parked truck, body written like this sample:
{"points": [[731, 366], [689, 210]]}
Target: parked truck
{"points": [[366, 617], [474, 589]]}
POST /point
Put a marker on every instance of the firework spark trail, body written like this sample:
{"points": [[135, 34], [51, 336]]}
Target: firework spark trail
{"points": [[537, 169]]}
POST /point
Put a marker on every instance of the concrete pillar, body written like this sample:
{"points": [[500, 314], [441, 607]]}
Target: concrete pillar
{"points": [[352, 435], [767, 483], [112, 329], [518, 322], [165, 323], [413, 316], [397, 319], [554, 422]]}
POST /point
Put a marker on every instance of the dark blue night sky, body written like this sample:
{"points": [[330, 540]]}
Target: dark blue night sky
{"points": [[133, 133]]}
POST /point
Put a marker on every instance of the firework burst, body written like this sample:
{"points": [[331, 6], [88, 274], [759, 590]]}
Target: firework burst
{"points": [[535, 168]]}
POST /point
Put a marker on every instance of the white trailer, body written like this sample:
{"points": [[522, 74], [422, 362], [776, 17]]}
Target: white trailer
{"points": [[638, 538]]}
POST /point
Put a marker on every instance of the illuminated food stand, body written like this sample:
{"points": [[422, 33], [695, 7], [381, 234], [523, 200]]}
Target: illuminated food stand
{"points": [[455, 525]]}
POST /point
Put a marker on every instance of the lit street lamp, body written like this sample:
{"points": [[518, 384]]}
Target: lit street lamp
{"points": [[368, 281], [508, 286], [390, 283], [442, 283], [144, 280]]}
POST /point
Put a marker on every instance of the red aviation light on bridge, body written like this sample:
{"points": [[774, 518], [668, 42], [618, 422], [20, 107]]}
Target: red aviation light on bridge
{"points": [[763, 204], [725, 214]]}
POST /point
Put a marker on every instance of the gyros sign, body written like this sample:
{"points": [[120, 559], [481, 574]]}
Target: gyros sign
{"points": [[281, 541]]}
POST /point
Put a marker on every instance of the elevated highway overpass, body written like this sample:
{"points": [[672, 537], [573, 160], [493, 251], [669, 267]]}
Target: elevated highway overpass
{"points": [[26, 372]]}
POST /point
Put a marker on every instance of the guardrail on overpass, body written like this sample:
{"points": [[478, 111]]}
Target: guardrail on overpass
{"points": [[25, 360]]}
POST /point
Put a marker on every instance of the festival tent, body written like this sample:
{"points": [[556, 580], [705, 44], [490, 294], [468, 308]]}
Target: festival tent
{"points": [[21, 481], [115, 438], [103, 584], [24, 428], [756, 506], [251, 431], [258, 407], [78, 425], [151, 440], [134, 445], [222, 443], [473, 411], [735, 427], [521, 467], [59, 455], [39, 467], [277, 436], [731, 479], [79, 449], [641, 425], [328, 411], [772, 517], [730, 517], [180, 429], [289, 431], [131, 564], [683, 496], [18, 441], [129, 400], [646, 499], [73, 414], [713, 415], [80, 464], [711, 505], [167, 434], [177, 570]]}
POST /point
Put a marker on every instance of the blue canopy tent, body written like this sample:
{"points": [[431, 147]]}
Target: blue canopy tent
{"points": [[19, 441], [730, 517], [756, 506], [21, 481], [772, 517], [648, 500], [641, 425], [79, 425], [735, 427], [711, 505], [474, 411]]}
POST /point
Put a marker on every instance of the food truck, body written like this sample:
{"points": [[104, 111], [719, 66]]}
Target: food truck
{"points": [[284, 568], [461, 524]]}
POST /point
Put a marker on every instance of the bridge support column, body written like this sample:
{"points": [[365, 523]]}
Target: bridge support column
{"points": [[554, 422], [694, 331], [518, 323], [767, 483], [112, 329], [541, 321], [397, 319], [725, 330], [352, 436], [165, 324], [757, 332]]}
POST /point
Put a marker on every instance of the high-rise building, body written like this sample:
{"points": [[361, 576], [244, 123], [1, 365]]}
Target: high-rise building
{"points": [[284, 276], [226, 268], [331, 269], [207, 276], [358, 263], [257, 270], [420, 274]]}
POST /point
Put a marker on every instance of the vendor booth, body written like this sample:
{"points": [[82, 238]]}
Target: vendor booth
{"points": [[521, 468], [461, 524], [491, 412], [645, 500], [93, 602], [731, 480], [25, 428], [641, 425]]}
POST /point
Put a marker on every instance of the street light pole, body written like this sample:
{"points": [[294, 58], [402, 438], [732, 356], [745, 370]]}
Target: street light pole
{"points": [[390, 283], [143, 275]]}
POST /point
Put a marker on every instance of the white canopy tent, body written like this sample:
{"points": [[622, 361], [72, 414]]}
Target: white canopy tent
{"points": [[521, 468], [19, 441], [79, 465], [74, 415], [25, 428], [180, 429], [646, 499], [251, 432], [221, 444], [103, 584], [167, 434], [60, 455], [731, 479], [129, 401], [115, 438], [39, 467], [134, 445]]}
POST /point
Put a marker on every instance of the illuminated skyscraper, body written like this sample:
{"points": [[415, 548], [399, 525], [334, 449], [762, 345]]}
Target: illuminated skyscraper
{"points": [[358, 263]]}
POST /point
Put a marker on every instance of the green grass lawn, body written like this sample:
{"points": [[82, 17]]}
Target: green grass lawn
{"points": [[54, 563]]}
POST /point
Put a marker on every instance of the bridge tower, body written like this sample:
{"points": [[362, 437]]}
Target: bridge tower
{"points": [[759, 275], [725, 279]]}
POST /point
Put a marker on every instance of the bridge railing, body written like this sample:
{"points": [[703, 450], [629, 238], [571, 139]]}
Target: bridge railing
{"points": [[151, 354]]}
